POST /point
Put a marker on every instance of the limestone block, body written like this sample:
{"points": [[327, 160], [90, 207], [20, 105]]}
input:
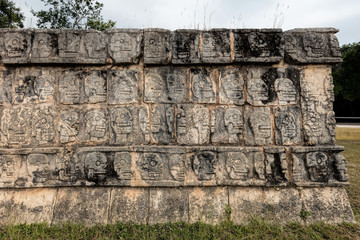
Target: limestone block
{"points": [[288, 127], [258, 126], [258, 45], [87, 206], [93, 47], [15, 45], [215, 46], [273, 86], [6, 203], [203, 85], [45, 46], [165, 85], [276, 166], [312, 45], [185, 46], [93, 125], [317, 96], [192, 124], [69, 45], [124, 86], [163, 123], [328, 204], [319, 166], [227, 125], [241, 166], [274, 205], [6, 81], [70, 87], [34, 205], [157, 49], [168, 205], [207, 204], [231, 90], [125, 45], [129, 125], [129, 205]]}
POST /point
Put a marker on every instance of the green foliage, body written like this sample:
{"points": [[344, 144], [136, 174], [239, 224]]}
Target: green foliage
{"points": [[347, 74], [304, 214], [10, 15], [75, 14]]}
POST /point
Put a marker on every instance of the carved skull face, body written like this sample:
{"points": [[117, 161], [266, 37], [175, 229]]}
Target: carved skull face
{"points": [[176, 86], [285, 89], [287, 124], [43, 45], [233, 87], [236, 165], [317, 163], [122, 165], [209, 45], [258, 90], [44, 86], [260, 122], [177, 166], [16, 128], [290, 43], [70, 88], [331, 122], [96, 164], [334, 45], [122, 121], [120, 44], [203, 165], [94, 44], [181, 122], [155, 122], [7, 166], [95, 120], [340, 165], [154, 45], [44, 128], [314, 44], [154, 86], [151, 166], [95, 88], [202, 87], [72, 42], [38, 166], [15, 44], [258, 44], [313, 123], [69, 127], [170, 118], [183, 47], [233, 120], [143, 120]]}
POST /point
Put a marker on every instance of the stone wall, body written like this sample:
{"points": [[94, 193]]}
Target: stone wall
{"points": [[154, 126]]}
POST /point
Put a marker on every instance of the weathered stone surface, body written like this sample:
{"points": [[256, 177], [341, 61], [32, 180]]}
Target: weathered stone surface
{"points": [[258, 45], [124, 86], [288, 127], [157, 49], [207, 204], [129, 205], [231, 86], [185, 46], [276, 166], [6, 203], [15, 45], [215, 46], [258, 126], [203, 85], [163, 123], [312, 45], [88, 206], [168, 205]]}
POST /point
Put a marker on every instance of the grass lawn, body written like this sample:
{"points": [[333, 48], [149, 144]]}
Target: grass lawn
{"points": [[257, 229]]}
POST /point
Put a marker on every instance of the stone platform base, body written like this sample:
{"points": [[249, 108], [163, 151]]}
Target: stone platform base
{"points": [[158, 205]]}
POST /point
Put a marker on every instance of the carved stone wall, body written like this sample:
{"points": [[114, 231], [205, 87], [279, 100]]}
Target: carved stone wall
{"points": [[154, 126]]}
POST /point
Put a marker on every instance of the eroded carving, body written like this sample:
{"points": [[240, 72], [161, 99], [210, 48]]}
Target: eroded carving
{"points": [[45, 45], [202, 87], [16, 126], [317, 166], [177, 166], [122, 165], [231, 87], [95, 87], [38, 166], [95, 125], [43, 125], [151, 166], [258, 128], [95, 45], [123, 86], [16, 45], [96, 166], [237, 165], [203, 165], [185, 47], [69, 87], [125, 46], [68, 126]]}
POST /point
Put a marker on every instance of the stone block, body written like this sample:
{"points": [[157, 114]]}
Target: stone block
{"points": [[192, 124], [157, 49], [215, 46], [93, 125], [87, 206], [203, 85], [227, 125], [124, 86], [165, 85], [185, 46], [312, 45], [258, 45], [6, 203], [168, 205], [231, 90], [129, 125], [328, 204], [162, 123], [207, 205], [45, 47], [258, 126], [15, 45], [129, 205], [276, 166], [125, 45], [287, 125]]}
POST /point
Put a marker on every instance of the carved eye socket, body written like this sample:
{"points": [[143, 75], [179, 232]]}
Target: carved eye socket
{"points": [[313, 119], [70, 119], [258, 85], [97, 118], [97, 163], [261, 41], [263, 118], [15, 41], [16, 122], [9, 163], [206, 41], [72, 82], [152, 163], [122, 162], [41, 41], [287, 84], [122, 41], [235, 116], [152, 41], [43, 120]]}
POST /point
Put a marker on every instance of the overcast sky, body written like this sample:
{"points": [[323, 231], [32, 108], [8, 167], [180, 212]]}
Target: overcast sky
{"points": [[201, 14]]}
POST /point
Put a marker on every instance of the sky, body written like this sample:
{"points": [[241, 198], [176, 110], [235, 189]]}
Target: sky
{"points": [[205, 14]]}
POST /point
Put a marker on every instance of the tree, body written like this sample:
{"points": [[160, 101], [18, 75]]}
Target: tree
{"points": [[347, 81], [10, 15], [75, 14]]}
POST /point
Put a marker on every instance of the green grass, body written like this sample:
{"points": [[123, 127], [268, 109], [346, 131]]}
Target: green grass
{"points": [[256, 229]]}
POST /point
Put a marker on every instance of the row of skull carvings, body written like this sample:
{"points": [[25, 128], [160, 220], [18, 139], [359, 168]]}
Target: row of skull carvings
{"points": [[185, 124], [256, 86], [162, 46], [303, 166]]}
